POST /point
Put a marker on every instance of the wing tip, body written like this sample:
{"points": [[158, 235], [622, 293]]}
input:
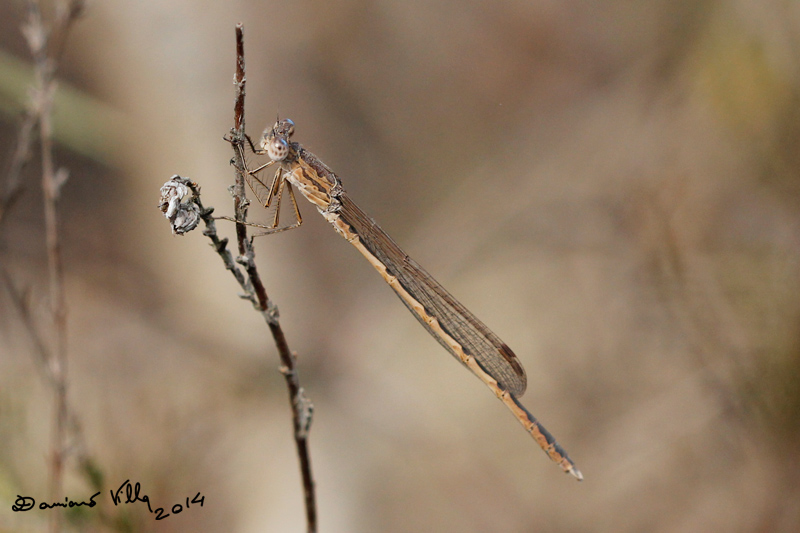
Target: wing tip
{"points": [[518, 388]]}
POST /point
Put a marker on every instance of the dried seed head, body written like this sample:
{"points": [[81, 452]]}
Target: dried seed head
{"points": [[183, 216]]}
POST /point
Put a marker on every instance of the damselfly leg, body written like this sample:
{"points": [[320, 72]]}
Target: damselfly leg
{"points": [[266, 194]]}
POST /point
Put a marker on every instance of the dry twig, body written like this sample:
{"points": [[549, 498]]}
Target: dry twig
{"points": [[182, 215], [46, 43]]}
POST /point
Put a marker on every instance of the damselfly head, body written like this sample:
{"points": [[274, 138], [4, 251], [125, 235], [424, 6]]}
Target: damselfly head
{"points": [[277, 148], [276, 140], [284, 127]]}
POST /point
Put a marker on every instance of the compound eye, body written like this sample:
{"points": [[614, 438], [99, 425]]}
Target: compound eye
{"points": [[288, 127], [278, 149]]}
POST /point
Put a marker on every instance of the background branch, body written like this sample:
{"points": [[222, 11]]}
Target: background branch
{"points": [[46, 44]]}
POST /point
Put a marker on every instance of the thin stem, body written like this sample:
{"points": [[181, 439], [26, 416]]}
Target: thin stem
{"points": [[301, 407], [46, 46], [22, 156], [240, 203]]}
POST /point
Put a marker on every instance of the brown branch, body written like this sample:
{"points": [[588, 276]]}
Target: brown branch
{"points": [[46, 45], [47, 48], [12, 188], [301, 406], [184, 216], [19, 299], [240, 203]]}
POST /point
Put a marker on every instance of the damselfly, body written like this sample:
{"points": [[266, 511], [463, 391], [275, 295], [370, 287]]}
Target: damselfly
{"points": [[444, 317]]}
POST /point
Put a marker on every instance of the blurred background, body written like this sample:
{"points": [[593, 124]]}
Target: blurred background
{"points": [[612, 187]]}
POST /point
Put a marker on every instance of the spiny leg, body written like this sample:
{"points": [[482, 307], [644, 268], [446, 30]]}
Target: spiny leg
{"points": [[275, 188], [258, 187], [259, 169], [276, 218], [296, 208], [299, 219]]}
